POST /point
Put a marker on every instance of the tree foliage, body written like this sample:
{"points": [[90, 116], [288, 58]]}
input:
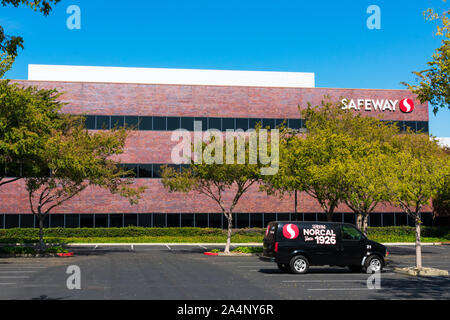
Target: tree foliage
{"points": [[27, 117], [434, 82], [218, 180], [10, 44]]}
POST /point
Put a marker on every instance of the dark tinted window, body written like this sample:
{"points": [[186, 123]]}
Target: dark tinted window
{"points": [[187, 220], [117, 121], [57, 221], [90, 122], [157, 171], [101, 221], [256, 220], [242, 124], [295, 123], [145, 220], [173, 220], [159, 123], [201, 220], [130, 220], [146, 123], [72, 221], [159, 220], [173, 123], [350, 233], [187, 124], [422, 126], [215, 123], [269, 123], [145, 171], [132, 123], [86, 221], [281, 122], [243, 220], [132, 168], [103, 123], [116, 220], [227, 124], [411, 125], [26, 221], [215, 220], [253, 122]]}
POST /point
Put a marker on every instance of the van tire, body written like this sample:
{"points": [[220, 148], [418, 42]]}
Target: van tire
{"points": [[374, 261], [299, 265], [283, 267]]}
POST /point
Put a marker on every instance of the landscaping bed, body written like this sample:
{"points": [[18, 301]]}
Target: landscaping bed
{"points": [[29, 252], [194, 235]]}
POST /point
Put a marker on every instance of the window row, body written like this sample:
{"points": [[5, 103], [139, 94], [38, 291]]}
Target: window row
{"points": [[187, 123], [200, 220], [222, 124], [141, 171]]}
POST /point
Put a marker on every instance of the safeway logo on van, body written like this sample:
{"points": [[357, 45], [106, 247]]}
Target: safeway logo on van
{"points": [[290, 231], [407, 106]]}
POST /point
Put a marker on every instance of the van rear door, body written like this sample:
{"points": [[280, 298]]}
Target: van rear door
{"points": [[270, 239]]}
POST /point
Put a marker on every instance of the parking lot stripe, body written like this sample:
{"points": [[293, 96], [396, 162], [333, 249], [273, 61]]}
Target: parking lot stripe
{"points": [[15, 271], [323, 281], [7, 284], [20, 277], [342, 289], [168, 247]]}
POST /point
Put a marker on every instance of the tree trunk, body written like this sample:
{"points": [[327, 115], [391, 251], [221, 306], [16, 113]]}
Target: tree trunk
{"points": [[359, 221], [330, 215], [230, 227], [41, 233], [418, 246], [365, 224]]}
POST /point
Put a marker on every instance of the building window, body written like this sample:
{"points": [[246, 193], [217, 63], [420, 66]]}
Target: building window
{"points": [[146, 123], [56, 221], [215, 123], [72, 220], [201, 220], [26, 221], [101, 220], [159, 123]]}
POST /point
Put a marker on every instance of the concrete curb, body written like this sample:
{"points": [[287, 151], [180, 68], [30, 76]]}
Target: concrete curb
{"points": [[423, 272]]}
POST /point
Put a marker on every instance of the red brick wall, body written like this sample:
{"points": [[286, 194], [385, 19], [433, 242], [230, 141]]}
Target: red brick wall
{"points": [[155, 147]]}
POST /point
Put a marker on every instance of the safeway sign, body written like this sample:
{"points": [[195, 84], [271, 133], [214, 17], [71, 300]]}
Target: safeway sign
{"points": [[380, 105]]}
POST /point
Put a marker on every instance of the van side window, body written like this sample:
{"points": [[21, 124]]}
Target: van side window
{"points": [[350, 233]]}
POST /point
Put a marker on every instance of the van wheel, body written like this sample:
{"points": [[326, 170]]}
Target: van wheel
{"points": [[355, 269], [374, 264], [283, 267], [299, 265]]}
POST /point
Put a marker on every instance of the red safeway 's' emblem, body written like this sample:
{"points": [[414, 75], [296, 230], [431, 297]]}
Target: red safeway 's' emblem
{"points": [[290, 231], [407, 105]]}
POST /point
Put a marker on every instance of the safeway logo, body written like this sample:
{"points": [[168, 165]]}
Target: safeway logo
{"points": [[290, 231], [407, 106], [380, 105]]}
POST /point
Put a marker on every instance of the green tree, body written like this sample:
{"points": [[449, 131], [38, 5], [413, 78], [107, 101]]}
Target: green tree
{"points": [[10, 44], [419, 169], [217, 178], [434, 82], [27, 116], [6, 63], [72, 160]]}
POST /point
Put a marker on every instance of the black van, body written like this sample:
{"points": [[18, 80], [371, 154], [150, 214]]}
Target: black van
{"points": [[295, 246]]}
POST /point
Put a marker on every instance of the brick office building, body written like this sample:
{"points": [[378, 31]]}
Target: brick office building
{"points": [[160, 101]]}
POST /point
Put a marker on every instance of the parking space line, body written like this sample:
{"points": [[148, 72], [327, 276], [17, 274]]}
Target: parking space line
{"points": [[322, 281], [168, 247], [203, 247], [20, 277], [342, 289], [7, 284], [15, 271]]}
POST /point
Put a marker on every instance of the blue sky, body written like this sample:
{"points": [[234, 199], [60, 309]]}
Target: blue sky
{"points": [[329, 38]]}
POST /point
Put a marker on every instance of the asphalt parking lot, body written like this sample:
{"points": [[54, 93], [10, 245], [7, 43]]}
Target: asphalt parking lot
{"points": [[184, 273]]}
